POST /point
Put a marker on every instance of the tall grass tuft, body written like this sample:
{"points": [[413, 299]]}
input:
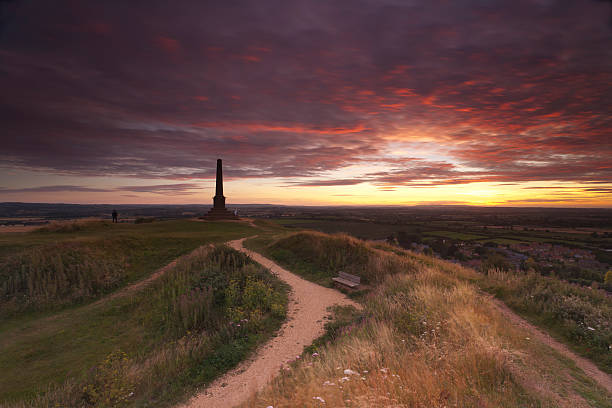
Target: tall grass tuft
{"points": [[58, 274], [73, 225]]}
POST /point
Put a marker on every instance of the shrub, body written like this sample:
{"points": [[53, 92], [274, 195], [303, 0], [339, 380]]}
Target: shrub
{"points": [[109, 384]]}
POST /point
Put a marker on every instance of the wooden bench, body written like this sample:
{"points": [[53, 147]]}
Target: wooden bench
{"points": [[346, 279]]}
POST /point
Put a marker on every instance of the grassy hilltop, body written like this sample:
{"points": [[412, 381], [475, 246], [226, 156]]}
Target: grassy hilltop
{"points": [[79, 328], [69, 336], [428, 336]]}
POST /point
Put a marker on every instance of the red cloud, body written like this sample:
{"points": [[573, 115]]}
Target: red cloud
{"points": [[271, 127], [168, 44]]}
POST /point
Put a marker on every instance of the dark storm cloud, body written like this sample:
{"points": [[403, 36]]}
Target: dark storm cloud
{"points": [[180, 188], [53, 189], [514, 90]]}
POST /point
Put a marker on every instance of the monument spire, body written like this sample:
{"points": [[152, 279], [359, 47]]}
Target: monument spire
{"points": [[219, 178], [219, 212], [218, 199]]}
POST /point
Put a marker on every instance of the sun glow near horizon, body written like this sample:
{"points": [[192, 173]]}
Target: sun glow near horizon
{"points": [[291, 192]]}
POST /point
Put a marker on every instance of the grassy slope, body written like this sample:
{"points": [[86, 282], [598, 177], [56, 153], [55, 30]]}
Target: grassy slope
{"points": [[428, 338], [38, 349], [141, 248], [564, 310], [581, 317]]}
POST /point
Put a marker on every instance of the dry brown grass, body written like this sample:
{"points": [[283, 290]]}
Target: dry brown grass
{"points": [[73, 225], [429, 339]]}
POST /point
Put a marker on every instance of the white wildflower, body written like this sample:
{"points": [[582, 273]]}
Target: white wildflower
{"points": [[319, 399], [350, 372]]}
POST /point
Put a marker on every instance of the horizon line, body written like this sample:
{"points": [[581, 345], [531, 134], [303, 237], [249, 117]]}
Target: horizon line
{"points": [[315, 205]]}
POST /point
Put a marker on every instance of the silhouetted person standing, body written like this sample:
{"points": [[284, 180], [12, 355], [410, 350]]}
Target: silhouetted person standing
{"points": [[115, 216]]}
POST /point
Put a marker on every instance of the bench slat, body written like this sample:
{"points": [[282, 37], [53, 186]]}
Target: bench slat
{"points": [[349, 277], [346, 282]]}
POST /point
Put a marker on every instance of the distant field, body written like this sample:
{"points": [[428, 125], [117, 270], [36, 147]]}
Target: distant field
{"points": [[456, 230], [501, 241], [455, 235], [291, 221]]}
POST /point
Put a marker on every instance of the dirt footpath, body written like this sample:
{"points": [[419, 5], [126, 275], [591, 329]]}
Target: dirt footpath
{"points": [[585, 365], [308, 303]]}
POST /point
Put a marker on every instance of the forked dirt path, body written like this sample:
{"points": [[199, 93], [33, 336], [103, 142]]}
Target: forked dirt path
{"points": [[138, 285], [308, 304], [585, 365]]}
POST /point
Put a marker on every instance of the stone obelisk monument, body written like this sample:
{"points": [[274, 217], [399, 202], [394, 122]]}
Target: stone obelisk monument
{"points": [[219, 212]]}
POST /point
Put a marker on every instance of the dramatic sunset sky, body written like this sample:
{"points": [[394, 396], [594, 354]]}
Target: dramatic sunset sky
{"points": [[307, 102]]}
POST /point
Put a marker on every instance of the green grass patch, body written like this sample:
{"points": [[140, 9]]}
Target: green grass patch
{"points": [[292, 221], [343, 319]]}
